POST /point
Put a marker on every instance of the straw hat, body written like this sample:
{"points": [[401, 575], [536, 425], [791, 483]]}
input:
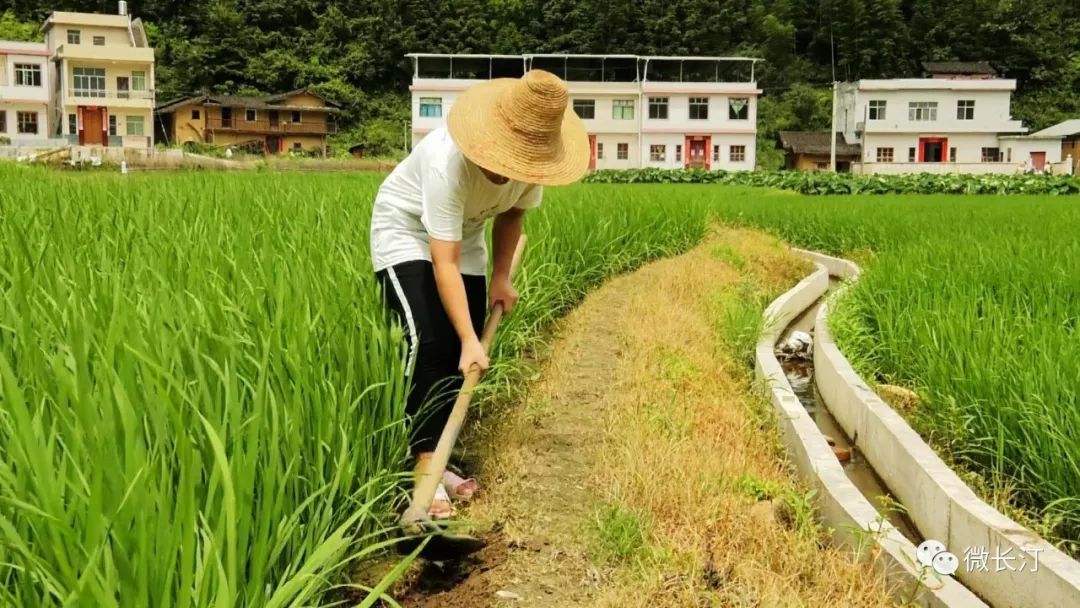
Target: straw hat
{"points": [[520, 128]]}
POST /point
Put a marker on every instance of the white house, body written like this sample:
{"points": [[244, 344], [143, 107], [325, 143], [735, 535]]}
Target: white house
{"points": [[672, 112], [24, 92], [957, 119]]}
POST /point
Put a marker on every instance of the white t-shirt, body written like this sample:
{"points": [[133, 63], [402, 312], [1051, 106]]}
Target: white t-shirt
{"points": [[437, 192]]}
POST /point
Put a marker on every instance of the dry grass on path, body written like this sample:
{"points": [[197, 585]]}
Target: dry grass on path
{"points": [[639, 470]]}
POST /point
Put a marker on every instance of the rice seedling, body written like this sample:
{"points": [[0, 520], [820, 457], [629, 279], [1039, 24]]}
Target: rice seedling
{"points": [[202, 398]]}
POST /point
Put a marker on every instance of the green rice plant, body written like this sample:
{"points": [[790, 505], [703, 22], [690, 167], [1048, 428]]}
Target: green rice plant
{"points": [[201, 396]]}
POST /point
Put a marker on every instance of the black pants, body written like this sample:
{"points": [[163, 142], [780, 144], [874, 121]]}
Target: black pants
{"points": [[434, 347]]}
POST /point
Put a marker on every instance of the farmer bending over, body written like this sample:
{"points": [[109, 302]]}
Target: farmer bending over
{"points": [[505, 139]]}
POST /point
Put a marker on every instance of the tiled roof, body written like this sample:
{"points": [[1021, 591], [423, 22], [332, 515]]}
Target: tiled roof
{"points": [[815, 142], [960, 68]]}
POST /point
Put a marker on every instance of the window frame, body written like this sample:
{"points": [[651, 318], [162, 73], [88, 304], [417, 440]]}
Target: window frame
{"points": [[622, 151], [196, 114], [922, 111], [20, 120], [99, 41], [22, 70], [952, 154], [140, 120], [620, 108], [599, 150], [582, 107], [877, 109], [659, 108], [988, 158], [114, 125], [678, 153], [3, 120], [885, 154], [73, 123], [429, 107], [89, 77], [138, 80], [701, 104], [251, 115], [74, 36], [658, 153], [716, 153], [743, 114], [965, 109], [912, 154], [737, 153], [297, 117]]}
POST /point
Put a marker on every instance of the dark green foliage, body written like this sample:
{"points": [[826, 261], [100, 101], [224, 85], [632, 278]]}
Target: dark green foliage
{"points": [[846, 183]]}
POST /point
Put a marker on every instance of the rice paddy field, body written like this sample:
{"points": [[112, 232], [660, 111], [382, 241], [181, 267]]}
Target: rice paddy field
{"points": [[201, 398]]}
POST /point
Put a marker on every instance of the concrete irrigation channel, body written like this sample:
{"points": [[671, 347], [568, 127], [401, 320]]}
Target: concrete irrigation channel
{"points": [[885, 458]]}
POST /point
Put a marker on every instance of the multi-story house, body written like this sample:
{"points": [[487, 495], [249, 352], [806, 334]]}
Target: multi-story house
{"points": [[297, 121], [102, 81], [672, 112], [24, 93], [956, 119]]}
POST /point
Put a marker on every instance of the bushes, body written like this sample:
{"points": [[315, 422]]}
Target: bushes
{"points": [[846, 183]]}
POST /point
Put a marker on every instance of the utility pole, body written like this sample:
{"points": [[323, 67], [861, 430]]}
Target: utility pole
{"points": [[832, 132]]}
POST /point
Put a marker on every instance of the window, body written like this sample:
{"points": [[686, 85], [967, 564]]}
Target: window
{"points": [[112, 124], [821, 166], [1008, 155], [884, 155], [658, 153], [911, 155], [952, 155], [585, 108], [28, 75], [138, 81], [622, 109], [658, 108], [699, 108], [27, 122], [622, 152], [599, 150], [89, 82], [738, 154], [73, 124], [965, 109], [991, 155], [877, 109], [922, 111], [431, 107], [135, 125], [123, 85], [99, 41], [3, 121], [297, 147], [738, 108], [196, 115], [296, 117], [678, 152], [226, 118], [716, 154], [251, 115], [74, 36]]}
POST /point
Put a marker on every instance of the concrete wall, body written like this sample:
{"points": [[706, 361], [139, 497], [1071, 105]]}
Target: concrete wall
{"points": [[11, 126], [992, 99], [610, 143]]}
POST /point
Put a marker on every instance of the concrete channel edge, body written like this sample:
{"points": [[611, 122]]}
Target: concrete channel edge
{"points": [[936, 499], [852, 519]]}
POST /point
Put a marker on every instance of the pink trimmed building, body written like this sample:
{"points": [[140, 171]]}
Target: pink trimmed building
{"points": [[24, 91], [669, 112]]}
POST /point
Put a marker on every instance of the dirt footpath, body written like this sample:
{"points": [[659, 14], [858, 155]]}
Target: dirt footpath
{"points": [[643, 469]]}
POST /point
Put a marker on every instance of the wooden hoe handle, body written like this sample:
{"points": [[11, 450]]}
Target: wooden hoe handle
{"points": [[424, 490]]}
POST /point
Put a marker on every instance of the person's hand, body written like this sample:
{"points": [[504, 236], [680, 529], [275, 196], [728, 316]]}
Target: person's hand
{"points": [[472, 353], [502, 291]]}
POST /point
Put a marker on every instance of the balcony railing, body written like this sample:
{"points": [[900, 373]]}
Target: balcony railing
{"points": [[111, 94], [271, 127]]}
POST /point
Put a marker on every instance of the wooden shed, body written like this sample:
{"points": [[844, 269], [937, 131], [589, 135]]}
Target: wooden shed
{"points": [[810, 151]]}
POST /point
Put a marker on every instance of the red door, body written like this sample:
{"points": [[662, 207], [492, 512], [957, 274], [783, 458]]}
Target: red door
{"points": [[933, 149], [697, 152], [1038, 160], [592, 153]]}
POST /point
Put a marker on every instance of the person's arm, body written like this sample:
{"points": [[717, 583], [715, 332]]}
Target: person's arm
{"points": [[446, 259], [504, 237]]}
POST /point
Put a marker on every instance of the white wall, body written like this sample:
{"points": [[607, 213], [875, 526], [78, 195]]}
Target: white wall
{"points": [[992, 111], [968, 145], [611, 143], [1021, 149], [679, 120], [12, 125]]}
